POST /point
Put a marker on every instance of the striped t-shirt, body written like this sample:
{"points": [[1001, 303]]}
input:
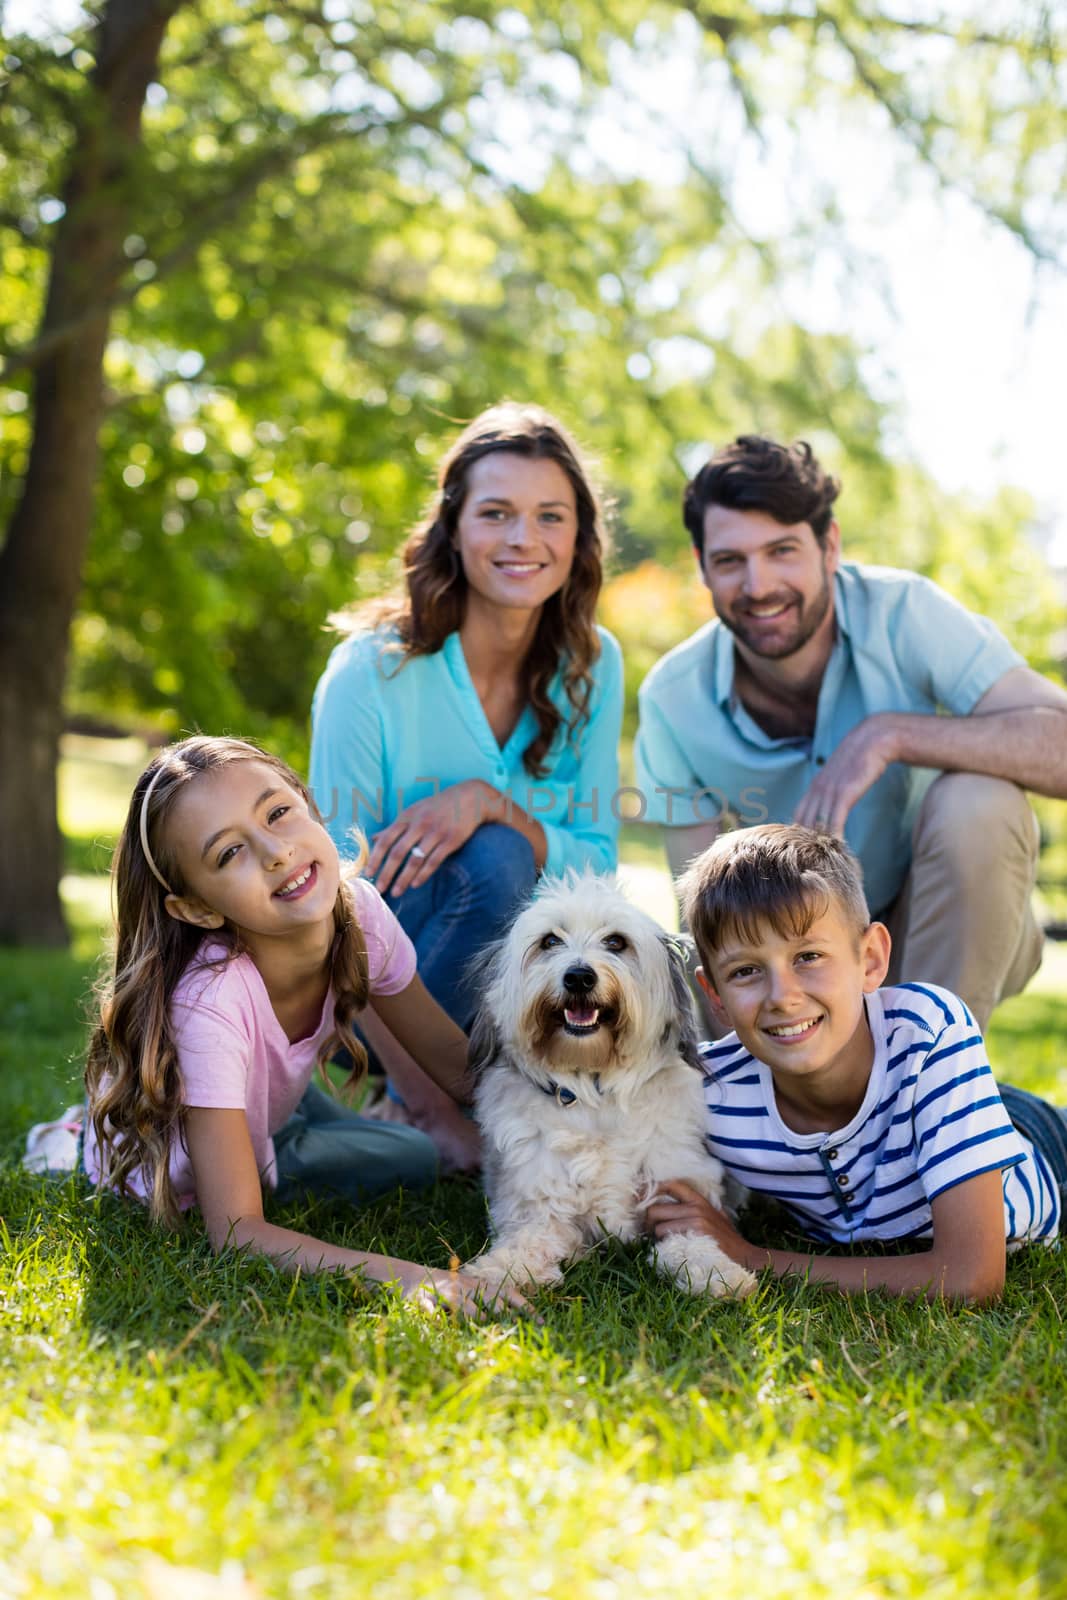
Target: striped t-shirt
{"points": [[932, 1117]]}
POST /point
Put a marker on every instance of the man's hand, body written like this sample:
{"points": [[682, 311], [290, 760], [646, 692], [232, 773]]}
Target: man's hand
{"points": [[677, 1207], [407, 853], [855, 766]]}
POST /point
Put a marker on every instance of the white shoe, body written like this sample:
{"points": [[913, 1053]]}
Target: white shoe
{"points": [[53, 1146]]}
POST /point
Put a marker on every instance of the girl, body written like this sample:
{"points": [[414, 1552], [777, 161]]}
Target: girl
{"points": [[469, 724], [242, 959]]}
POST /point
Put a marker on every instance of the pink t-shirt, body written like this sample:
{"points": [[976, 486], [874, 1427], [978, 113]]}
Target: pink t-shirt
{"points": [[233, 1053]]}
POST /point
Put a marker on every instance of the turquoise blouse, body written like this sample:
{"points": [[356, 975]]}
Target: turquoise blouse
{"points": [[386, 732]]}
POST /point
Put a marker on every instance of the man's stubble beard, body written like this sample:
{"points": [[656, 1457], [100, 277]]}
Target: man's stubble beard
{"points": [[807, 625]]}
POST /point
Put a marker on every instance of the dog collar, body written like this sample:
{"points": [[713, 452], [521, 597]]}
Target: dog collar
{"points": [[562, 1095]]}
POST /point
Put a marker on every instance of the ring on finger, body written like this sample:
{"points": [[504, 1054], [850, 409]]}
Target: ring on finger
{"points": [[417, 852]]}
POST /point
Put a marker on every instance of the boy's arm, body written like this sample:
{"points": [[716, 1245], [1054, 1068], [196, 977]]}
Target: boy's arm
{"points": [[966, 1261]]}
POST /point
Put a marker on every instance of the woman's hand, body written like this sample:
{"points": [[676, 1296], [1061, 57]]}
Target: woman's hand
{"points": [[408, 853], [677, 1207]]}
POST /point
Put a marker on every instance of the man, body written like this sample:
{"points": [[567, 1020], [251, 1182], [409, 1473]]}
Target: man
{"points": [[860, 699]]}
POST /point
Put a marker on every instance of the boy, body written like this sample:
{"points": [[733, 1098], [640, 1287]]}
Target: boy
{"points": [[869, 1113]]}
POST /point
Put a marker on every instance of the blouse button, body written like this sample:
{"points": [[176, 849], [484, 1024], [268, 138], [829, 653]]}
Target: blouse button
{"points": [[831, 1155], [842, 1182]]}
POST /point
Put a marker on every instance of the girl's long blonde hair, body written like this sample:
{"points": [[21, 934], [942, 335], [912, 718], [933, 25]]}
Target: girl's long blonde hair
{"points": [[131, 1073]]}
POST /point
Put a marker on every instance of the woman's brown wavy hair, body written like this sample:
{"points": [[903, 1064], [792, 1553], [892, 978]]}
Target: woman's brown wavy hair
{"points": [[132, 1074], [434, 600]]}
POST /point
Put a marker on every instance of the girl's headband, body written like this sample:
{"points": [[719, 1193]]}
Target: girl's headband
{"points": [[144, 833]]}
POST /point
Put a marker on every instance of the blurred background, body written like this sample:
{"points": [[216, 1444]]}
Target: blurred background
{"points": [[259, 263]]}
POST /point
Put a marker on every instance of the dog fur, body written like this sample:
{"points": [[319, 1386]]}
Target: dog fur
{"points": [[589, 1089]]}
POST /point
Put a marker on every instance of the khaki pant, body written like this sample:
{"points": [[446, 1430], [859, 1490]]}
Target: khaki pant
{"points": [[964, 918]]}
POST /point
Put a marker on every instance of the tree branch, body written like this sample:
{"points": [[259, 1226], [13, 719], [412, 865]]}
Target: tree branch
{"points": [[267, 164], [729, 28], [731, 31], [905, 125]]}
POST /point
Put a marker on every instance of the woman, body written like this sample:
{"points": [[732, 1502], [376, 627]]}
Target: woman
{"points": [[469, 725]]}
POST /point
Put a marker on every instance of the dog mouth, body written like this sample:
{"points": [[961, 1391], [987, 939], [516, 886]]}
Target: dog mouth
{"points": [[581, 1018]]}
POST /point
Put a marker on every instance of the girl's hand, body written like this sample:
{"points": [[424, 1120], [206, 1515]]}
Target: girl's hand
{"points": [[431, 1289], [408, 853], [677, 1207]]}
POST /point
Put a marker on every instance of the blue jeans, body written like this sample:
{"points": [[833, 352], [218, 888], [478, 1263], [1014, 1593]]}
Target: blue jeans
{"points": [[326, 1148], [1044, 1125], [468, 903]]}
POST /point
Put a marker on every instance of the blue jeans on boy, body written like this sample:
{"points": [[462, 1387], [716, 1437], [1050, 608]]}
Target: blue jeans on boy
{"points": [[468, 903], [1045, 1126]]}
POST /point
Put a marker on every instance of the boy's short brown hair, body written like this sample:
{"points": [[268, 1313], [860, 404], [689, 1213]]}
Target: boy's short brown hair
{"points": [[779, 873]]}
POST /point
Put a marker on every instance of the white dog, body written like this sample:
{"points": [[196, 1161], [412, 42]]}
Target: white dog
{"points": [[589, 1089]]}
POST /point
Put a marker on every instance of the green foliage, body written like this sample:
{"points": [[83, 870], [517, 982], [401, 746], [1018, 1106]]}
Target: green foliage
{"points": [[357, 226]]}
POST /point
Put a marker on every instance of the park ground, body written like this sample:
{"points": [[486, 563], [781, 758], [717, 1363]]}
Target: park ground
{"points": [[172, 1424]]}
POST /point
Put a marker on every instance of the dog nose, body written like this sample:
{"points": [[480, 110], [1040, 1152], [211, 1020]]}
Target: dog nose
{"points": [[579, 979]]}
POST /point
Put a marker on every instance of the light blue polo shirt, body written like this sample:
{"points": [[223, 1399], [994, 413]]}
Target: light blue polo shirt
{"points": [[902, 644], [386, 732]]}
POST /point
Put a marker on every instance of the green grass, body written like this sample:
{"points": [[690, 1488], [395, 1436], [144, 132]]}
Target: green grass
{"points": [[175, 1424]]}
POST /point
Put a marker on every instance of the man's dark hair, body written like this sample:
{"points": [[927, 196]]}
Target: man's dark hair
{"points": [[757, 474]]}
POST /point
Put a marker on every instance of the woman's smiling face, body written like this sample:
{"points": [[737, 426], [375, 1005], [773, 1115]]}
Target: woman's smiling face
{"points": [[516, 531]]}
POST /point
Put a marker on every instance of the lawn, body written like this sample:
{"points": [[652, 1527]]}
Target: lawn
{"points": [[180, 1425]]}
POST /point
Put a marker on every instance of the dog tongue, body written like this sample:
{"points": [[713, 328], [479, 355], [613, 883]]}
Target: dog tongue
{"points": [[582, 1017]]}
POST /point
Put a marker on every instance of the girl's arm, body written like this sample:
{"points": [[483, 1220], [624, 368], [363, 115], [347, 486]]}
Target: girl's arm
{"points": [[231, 1201], [428, 1034], [966, 1261]]}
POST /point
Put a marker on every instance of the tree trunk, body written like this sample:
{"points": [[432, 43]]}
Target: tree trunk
{"points": [[41, 561]]}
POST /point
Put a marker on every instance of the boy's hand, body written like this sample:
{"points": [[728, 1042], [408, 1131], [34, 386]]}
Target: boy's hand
{"points": [[677, 1207]]}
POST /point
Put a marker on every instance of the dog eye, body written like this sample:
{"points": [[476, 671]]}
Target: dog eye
{"points": [[550, 940], [616, 942]]}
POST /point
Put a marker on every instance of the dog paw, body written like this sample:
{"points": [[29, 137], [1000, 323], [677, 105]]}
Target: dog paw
{"points": [[729, 1281], [725, 1280], [496, 1267], [491, 1289], [698, 1265]]}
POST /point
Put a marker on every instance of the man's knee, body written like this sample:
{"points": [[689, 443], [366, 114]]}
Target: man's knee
{"points": [[967, 814]]}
